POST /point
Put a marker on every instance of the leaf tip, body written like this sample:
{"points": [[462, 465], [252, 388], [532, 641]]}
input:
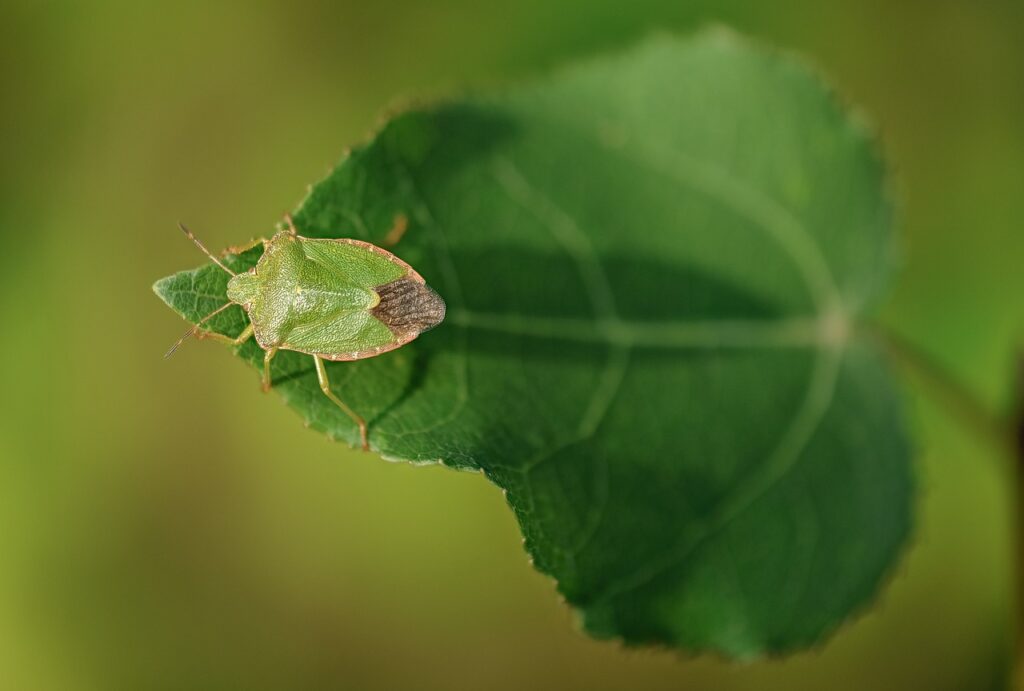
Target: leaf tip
{"points": [[161, 288]]}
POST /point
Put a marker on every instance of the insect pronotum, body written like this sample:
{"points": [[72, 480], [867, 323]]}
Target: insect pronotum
{"points": [[333, 299]]}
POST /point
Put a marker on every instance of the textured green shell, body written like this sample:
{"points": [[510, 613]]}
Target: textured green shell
{"points": [[340, 299]]}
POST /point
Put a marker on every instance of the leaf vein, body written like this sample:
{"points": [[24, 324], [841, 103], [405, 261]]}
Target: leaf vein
{"points": [[764, 212], [819, 397]]}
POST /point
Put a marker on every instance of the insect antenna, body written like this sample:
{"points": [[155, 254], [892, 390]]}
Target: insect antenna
{"points": [[202, 247], [195, 329]]}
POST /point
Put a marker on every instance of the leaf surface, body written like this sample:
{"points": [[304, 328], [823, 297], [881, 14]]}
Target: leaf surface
{"points": [[654, 264]]}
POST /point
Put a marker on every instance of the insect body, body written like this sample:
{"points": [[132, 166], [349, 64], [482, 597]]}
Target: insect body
{"points": [[333, 299]]}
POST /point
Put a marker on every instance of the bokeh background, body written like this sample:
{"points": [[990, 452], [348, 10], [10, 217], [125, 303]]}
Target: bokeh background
{"points": [[165, 526]]}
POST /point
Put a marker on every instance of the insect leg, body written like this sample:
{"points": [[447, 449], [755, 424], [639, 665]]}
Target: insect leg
{"points": [[221, 338], [325, 386], [267, 357], [238, 249], [291, 224], [398, 228]]}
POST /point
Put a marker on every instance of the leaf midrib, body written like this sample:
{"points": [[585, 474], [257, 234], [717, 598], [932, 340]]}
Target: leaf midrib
{"points": [[795, 332]]}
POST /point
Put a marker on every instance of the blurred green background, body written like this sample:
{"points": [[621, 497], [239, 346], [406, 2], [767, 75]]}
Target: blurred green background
{"points": [[163, 525]]}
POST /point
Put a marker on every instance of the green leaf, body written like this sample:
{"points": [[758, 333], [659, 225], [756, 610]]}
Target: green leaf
{"points": [[654, 264]]}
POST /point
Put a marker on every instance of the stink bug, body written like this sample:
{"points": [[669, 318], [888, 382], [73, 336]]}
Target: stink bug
{"points": [[333, 299]]}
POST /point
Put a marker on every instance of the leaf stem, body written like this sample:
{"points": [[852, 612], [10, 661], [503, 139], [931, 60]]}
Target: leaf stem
{"points": [[949, 392], [1004, 434]]}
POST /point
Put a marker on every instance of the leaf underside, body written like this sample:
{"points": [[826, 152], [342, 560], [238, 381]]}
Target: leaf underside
{"points": [[653, 265]]}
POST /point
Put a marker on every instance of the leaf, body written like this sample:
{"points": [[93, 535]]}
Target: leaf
{"points": [[654, 264]]}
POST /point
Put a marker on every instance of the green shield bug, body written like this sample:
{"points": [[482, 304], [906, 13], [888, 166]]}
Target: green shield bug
{"points": [[332, 299]]}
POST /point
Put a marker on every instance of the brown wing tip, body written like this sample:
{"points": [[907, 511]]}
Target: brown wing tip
{"points": [[408, 307]]}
